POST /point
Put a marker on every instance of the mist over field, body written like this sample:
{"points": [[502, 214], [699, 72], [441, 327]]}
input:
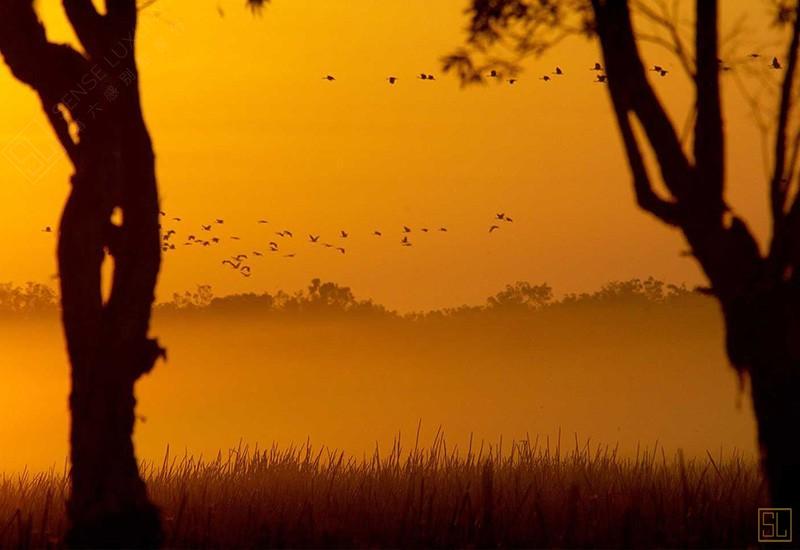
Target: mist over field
{"points": [[633, 363]]}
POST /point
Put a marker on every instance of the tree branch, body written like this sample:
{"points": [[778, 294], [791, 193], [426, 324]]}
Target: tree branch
{"points": [[785, 225], [627, 77], [779, 180], [88, 24], [709, 143]]}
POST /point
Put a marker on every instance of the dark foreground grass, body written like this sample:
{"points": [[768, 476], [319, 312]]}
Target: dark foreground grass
{"points": [[527, 494]]}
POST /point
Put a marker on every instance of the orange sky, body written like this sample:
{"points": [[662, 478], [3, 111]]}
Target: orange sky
{"points": [[246, 128]]}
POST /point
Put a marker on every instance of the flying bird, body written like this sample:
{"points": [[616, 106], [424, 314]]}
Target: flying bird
{"points": [[47, 229], [493, 74], [558, 71], [493, 228], [219, 220], [289, 255], [240, 257], [377, 233], [344, 234], [206, 227], [406, 229], [313, 238], [257, 253], [443, 229], [392, 79], [545, 78], [512, 81], [262, 221], [775, 63], [500, 216], [602, 78], [597, 67], [340, 249], [215, 240], [235, 238], [234, 265], [329, 78]]}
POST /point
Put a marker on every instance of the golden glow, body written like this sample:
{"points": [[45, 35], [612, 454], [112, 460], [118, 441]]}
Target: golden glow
{"points": [[245, 127]]}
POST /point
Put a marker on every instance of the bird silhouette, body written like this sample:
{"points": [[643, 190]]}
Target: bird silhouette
{"points": [[493, 74], [329, 78], [392, 79], [601, 78], [377, 233], [257, 253], [235, 238], [558, 71], [344, 234], [176, 219], [215, 240], [206, 227], [219, 220], [775, 63], [262, 221], [500, 216], [443, 229], [422, 76], [313, 238], [512, 81], [494, 228], [340, 249], [424, 229], [508, 219], [191, 237], [245, 270], [240, 257], [406, 229], [234, 265], [597, 67], [431, 77], [545, 78], [754, 55], [47, 229], [289, 255], [404, 240]]}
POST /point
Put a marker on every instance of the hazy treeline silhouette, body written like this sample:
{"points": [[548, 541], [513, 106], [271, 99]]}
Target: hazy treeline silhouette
{"points": [[521, 297], [330, 298]]}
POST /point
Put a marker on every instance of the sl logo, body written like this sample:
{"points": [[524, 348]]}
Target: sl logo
{"points": [[774, 525]]}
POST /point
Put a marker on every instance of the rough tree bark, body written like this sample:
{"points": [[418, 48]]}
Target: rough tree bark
{"points": [[91, 99], [759, 294]]}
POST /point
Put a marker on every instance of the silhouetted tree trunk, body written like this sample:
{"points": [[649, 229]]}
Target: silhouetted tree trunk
{"points": [[759, 294], [97, 93]]}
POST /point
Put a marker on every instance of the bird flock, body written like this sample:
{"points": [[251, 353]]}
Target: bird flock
{"points": [[209, 234], [557, 72], [275, 241]]}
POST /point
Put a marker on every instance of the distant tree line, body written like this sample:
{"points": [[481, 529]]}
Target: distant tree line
{"points": [[321, 298]]}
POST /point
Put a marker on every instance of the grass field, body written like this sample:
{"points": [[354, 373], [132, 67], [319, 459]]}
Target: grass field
{"points": [[514, 494]]}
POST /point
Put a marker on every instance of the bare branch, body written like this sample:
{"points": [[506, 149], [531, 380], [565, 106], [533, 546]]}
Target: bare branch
{"points": [[779, 181], [87, 22], [627, 78], [709, 144], [667, 21]]}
